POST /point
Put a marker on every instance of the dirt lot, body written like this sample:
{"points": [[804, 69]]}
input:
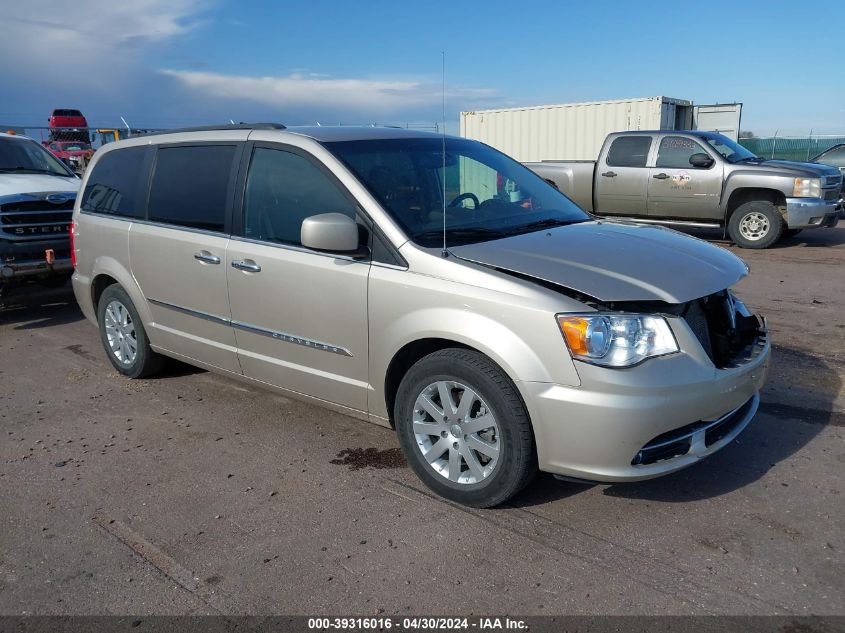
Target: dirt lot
{"points": [[190, 493]]}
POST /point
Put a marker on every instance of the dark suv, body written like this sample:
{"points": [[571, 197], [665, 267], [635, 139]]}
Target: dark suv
{"points": [[835, 156]]}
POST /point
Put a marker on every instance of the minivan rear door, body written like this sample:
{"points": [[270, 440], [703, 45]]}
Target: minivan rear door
{"points": [[300, 316], [178, 254]]}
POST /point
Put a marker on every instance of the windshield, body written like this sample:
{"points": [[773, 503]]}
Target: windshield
{"points": [[72, 147], [18, 155], [730, 151], [488, 195]]}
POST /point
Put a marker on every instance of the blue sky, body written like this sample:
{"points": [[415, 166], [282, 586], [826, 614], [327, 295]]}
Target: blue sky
{"points": [[166, 63]]}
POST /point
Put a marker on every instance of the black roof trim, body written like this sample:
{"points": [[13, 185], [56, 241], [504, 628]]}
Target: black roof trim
{"points": [[214, 128]]}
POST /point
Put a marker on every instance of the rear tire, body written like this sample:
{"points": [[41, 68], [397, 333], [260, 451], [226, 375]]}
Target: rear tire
{"points": [[477, 449], [123, 335], [755, 224]]}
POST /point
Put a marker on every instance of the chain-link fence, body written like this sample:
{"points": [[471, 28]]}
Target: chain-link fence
{"points": [[91, 136], [95, 137], [790, 147]]}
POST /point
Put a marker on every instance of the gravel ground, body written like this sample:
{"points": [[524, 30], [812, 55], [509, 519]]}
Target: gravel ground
{"points": [[193, 494]]}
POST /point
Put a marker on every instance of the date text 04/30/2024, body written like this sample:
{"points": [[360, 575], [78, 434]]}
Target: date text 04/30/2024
{"points": [[416, 624]]}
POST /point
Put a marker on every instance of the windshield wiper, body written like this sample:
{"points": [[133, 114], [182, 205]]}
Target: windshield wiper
{"points": [[468, 232], [543, 224], [749, 159]]}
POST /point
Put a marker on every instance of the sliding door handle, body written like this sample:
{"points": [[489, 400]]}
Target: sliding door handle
{"points": [[206, 258]]}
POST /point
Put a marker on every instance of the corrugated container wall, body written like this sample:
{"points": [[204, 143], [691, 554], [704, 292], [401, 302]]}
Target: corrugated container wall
{"points": [[570, 131]]}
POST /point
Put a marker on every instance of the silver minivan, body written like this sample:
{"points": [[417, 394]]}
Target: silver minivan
{"points": [[426, 283]]}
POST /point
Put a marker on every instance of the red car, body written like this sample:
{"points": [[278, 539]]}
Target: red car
{"points": [[68, 125], [71, 152]]}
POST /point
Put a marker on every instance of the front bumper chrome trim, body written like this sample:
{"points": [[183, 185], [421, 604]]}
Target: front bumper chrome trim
{"points": [[804, 213]]}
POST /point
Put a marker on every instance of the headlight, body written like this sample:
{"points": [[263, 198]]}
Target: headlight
{"points": [[807, 188], [616, 340]]}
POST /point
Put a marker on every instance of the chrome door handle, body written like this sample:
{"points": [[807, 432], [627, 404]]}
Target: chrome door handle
{"points": [[661, 176], [246, 264], [206, 257], [609, 174]]}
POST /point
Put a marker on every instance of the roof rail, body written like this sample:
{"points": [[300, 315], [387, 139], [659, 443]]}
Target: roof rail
{"points": [[211, 128]]}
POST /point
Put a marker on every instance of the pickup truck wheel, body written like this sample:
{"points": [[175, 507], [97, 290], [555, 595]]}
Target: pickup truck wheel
{"points": [[464, 429], [755, 224], [123, 335]]}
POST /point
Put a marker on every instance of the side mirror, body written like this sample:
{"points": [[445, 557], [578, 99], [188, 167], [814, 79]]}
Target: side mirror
{"points": [[701, 160], [330, 232]]}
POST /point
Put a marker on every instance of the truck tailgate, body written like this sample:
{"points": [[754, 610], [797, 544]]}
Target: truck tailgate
{"points": [[574, 178]]}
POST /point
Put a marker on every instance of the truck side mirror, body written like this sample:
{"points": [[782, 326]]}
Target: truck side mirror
{"points": [[701, 160]]}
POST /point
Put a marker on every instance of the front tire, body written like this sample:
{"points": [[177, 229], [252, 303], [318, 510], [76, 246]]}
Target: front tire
{"points": [[464, 429], [123, 335], [755, 224]]}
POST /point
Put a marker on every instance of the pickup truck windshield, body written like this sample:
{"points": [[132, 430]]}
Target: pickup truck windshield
{"points": [[488, 195], [23, 156], [730, 151]]}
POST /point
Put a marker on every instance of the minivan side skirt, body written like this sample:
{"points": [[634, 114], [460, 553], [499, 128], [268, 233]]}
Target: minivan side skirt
{"points": [[247, 327]]}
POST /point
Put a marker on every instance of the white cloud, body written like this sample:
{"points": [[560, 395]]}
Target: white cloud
{"points": [[52, 49], [360, 95], [96, 58], [94, 24]]}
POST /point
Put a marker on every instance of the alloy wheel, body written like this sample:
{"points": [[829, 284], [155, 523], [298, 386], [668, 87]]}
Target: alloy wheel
{"points": [[456, 432], [120, 332]]}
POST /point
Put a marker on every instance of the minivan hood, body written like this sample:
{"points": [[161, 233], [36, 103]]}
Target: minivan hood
{"points": [[11, 184], [614, 261]]}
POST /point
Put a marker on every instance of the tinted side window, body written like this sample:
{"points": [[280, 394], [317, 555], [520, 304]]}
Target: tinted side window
{"points": [[282, 189], [190, 186], [629, 151], [115, 184], [675, 152]]}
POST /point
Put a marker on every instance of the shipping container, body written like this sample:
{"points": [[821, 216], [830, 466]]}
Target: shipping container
{"points": [[576, 131]]}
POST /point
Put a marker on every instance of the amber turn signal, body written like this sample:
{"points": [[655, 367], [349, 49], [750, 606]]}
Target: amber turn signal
{"points": [[575, 332]]}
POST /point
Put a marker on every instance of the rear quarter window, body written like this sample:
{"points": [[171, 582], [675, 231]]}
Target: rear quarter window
{"points": [[629, 151], [116, 184]]}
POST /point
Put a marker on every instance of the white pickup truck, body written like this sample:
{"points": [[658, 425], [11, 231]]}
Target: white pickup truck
{"points": [[694, 178], [37, 193]]}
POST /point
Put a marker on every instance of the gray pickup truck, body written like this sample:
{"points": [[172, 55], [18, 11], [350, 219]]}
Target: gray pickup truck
{"points": [[694, 178]]}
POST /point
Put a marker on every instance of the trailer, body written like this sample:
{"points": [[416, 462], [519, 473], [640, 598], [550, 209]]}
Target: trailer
{"points": [[576, 131]]}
